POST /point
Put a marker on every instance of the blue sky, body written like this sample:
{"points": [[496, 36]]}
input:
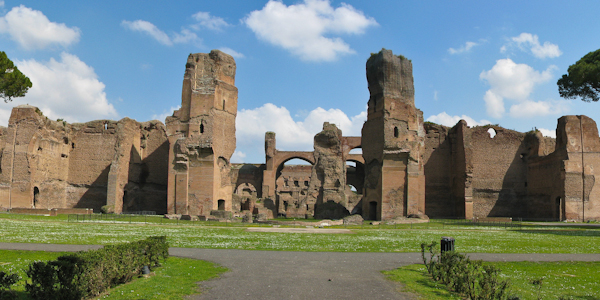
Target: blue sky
{"points": [[300, 63]]}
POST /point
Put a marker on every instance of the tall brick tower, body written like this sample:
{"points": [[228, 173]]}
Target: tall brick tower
{"points": [[202, 136], [392, 141]]}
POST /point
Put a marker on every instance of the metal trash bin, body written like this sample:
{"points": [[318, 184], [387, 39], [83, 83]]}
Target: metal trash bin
{"points": [[447, 244]]}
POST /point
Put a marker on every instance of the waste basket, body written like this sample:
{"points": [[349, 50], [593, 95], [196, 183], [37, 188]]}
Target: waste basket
{"points": [[447, 244]]}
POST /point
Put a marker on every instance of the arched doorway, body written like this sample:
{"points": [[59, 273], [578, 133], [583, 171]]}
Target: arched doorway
{"points": [[291, 185], [373, 210]]}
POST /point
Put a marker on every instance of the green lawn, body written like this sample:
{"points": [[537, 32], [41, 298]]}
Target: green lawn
{"points": [[469, 239], [578, 280], [176, 278]]}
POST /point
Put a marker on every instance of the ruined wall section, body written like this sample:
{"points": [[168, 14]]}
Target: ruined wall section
{"points": [[53, 164], [292, 189], [327, 187], [202, 136], [393, 141], [577, 136], [545, 186], [499, 172], [437, 156]]}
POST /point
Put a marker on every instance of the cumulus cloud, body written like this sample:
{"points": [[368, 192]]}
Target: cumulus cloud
{"points": [[238, 156], [447, 120], [530, 42], [251, 125], [207, 21], [165, 114], [548, 132], [464, 48], [32, 30], [309, 30], [529, 108], [232, 52], [512, 81], [68, 89]]}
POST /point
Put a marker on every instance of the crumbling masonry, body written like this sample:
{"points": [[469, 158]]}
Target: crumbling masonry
{"points": [[407, 167]]}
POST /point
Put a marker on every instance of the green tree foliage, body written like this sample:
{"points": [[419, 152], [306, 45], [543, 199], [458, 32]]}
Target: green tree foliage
{"points": [[583, 79], [13, 83]]}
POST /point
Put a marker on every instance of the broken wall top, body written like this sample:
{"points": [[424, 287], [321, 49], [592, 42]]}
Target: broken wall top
{"points": [[572, 131], [208, 83], [390, 76]]}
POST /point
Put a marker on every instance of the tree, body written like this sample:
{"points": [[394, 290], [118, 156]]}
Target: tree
{"points": [[583, 79], [13, 83]]}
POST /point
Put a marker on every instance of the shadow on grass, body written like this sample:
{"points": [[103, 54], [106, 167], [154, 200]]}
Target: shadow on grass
{"points": [[565, 232]]}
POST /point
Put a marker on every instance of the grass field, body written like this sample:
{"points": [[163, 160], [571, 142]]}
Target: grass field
{"points": [[470, 239], [176, 278], [577, 280]]}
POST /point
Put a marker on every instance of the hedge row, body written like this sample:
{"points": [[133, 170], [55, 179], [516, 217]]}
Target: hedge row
{"points": [[87, 274]]}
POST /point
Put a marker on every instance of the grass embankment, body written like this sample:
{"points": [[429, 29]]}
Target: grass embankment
{"points": [[578, 280], [176, 278], [469, 239]]}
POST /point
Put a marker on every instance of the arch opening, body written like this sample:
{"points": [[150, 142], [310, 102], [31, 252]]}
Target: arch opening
{"points": [[357, 150]]}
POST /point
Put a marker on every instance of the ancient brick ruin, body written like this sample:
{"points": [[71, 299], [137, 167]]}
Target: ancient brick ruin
{"points": [[407, 167]]}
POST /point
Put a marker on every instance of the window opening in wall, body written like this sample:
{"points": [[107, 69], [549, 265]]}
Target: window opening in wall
{"points": [[105, 126], [36, 195], [395, 132], [305, 182], [296, 183], [221, 204], [201, 128], [492, 132], [66, 140], [223, 104], [72, 145]]}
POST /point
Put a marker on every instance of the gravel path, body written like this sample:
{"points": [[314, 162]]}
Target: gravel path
{"points": [[305, 275]]}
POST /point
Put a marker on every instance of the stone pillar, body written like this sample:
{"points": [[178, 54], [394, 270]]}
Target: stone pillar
{"points": [[202, 136], [392, 140]]}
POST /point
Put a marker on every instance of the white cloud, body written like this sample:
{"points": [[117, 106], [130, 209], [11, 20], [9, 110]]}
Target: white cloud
{"points": [[548, 132], [445, 119], [31, 29], [527, 41], [251, 125], [512, 81], [232, 52], [528, 109], [494, 104], [149, 29], [165, 114], [238, 156], [183, 37], [306, 29], [211, 22], [464, 48], [68, 89]]}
